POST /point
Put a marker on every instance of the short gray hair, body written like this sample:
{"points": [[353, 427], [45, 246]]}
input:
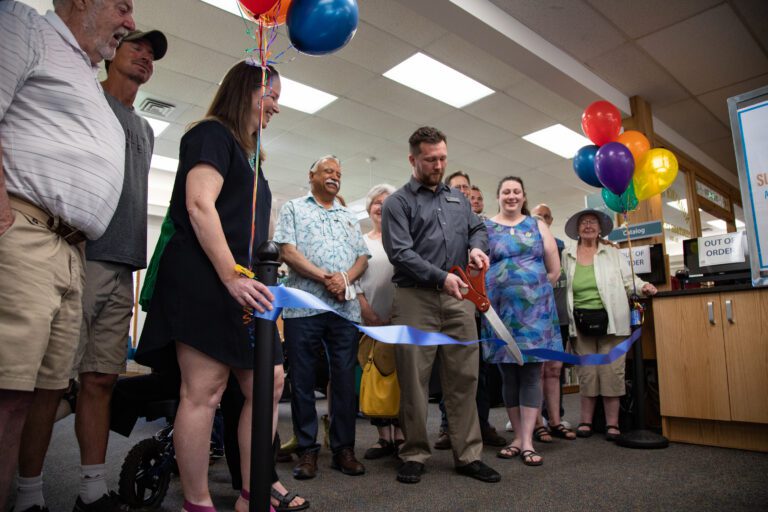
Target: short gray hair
{"points": [[376, 191], [322, 159]]}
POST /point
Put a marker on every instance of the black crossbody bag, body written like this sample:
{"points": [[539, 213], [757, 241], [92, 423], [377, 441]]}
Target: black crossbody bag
{"points": [[591, 322]]}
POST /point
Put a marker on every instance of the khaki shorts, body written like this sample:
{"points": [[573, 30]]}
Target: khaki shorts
{"points": [[41, 282], [604, 379], [107, 311]]}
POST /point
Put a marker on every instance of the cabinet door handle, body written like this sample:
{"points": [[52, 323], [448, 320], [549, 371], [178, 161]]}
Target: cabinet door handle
{"points": [[711, 312], [729, 311]]}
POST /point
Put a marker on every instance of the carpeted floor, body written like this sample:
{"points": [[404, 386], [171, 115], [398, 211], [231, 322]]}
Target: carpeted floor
{"points": [[582, 475]]}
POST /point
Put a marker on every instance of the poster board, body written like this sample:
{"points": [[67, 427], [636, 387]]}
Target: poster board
{"points": [[749, 125]]}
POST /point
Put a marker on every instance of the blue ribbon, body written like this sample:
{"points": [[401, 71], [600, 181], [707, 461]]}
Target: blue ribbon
{"points": [[286, 297]]}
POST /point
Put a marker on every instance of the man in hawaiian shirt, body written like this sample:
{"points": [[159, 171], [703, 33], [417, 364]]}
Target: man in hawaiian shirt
{"points": [[321, 242]]}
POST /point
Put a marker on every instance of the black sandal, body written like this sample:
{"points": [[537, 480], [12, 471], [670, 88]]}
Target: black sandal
{"points": [[284, 501], [383, 449], [528, 456], [540, 432], [584, 432], [562, 432], [612, 437]]}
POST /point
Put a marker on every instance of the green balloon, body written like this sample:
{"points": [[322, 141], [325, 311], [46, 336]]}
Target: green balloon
{"points": [[623, 203]]}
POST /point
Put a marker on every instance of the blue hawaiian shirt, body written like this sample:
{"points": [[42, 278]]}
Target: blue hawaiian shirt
{"points": [[331, 239]]}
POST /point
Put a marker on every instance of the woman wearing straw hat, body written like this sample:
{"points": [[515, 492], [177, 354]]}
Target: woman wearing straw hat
{"points": [[599, 284]]}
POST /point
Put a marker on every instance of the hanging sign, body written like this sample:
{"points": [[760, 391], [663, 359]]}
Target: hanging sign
{"points": [[641, 258], [721, 249], [636, 231]]}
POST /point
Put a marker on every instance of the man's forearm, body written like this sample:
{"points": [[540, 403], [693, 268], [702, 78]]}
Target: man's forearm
{"points": [[300, 264], [357, 269]]}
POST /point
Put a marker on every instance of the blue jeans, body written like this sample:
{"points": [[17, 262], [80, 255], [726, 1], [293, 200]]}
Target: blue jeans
{"points": [[303, 337]]}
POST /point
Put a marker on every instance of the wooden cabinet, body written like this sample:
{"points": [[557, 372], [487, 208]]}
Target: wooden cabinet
{"points": [[712, 354]]}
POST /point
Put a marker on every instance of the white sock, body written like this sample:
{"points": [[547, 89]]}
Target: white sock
{"points": [[93, 482], [29, 492]]}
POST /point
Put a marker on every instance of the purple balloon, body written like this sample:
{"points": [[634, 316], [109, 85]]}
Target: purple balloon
{"points": [[614, 167]]}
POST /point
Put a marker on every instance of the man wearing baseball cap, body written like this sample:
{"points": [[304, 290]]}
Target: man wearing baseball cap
{"points": [[110, 263]]}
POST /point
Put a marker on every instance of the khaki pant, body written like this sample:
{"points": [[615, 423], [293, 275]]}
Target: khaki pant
{"points": [[604, 379], [433, 311], [107, 311], [41, 283]]}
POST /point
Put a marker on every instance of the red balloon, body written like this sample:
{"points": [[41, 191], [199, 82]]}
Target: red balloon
{"points": [[257, 7], [601, 122]]}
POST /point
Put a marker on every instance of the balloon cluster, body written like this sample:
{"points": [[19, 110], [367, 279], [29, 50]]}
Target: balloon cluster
{"points": [[315, 27], [622, 164]]}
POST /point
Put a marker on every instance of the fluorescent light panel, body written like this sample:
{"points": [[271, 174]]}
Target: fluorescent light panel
{"points": [[559, 140], [164, 163], [225, 5], [721, 225], [435, 79], [302, 97], [157, 125], [680, 205]]}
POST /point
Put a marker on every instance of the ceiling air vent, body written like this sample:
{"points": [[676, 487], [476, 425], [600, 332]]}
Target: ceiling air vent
{"points": [[156, 108]]}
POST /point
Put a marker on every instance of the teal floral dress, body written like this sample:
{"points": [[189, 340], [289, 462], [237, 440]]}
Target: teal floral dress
{"points": [[519, 291]]}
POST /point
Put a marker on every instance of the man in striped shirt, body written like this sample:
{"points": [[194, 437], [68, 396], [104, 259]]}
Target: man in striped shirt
{"points": [[62, 152]]}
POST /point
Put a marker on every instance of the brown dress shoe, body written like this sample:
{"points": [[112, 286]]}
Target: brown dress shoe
{"points": [[492, 438], [307, 466], [443, 442], [346, 462]]}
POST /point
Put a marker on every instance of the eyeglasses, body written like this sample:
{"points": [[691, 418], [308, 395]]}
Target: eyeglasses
{"points": [[587, 222]]}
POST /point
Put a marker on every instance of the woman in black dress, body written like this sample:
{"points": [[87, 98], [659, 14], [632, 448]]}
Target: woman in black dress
{"points": [[197, 307]]}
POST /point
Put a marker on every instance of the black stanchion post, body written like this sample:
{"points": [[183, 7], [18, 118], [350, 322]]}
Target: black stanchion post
{"points": [[263, 388], [639, 436]]}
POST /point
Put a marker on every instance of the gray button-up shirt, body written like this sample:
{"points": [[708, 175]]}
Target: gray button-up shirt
{"points": [[425, 233]]}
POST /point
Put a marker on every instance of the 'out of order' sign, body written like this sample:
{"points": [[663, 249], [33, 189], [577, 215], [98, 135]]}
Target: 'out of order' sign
{"points": [[641, 258], [722, 249]]}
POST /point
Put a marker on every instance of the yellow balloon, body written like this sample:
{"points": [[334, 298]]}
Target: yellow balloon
{"points": [[655, 172]]}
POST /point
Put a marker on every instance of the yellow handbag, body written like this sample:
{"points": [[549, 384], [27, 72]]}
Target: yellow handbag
{"points": [[379, 394]]}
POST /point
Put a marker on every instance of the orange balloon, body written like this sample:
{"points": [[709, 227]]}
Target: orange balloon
{"points": [[636, 142], [277, 14]]}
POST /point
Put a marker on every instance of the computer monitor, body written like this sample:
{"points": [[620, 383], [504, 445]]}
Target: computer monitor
{"points": [[728, 271]]}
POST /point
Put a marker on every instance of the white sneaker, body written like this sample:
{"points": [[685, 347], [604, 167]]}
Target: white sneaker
{"points": [[508, 427]]}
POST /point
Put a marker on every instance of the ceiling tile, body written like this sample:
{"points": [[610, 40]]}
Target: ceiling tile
{"points": [[168, 84], [375, 50], [190, 58], [543, 99], [755, 14], [491, 164], [342, 140], [716, 101], [508, 113], [571, 25], [641, 18], [369, 120], [691, 118], [399, 20], [460, 125], [328, 73], [708, 51], [633, 72], [393, 98], [522, 151], [463, 56]]}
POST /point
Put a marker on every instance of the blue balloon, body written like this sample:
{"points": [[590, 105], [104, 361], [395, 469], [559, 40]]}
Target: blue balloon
{"points": [[318, 27], [584, 165]]}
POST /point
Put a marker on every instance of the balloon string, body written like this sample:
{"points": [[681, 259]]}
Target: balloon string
{"points": [[631, 258], [256, 164]]}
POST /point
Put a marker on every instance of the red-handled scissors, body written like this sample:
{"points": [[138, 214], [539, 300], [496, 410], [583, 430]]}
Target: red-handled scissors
{"points": [[475, 293]]}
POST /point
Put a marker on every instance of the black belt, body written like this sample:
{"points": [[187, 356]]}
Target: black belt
{"points": [[54, 223]]}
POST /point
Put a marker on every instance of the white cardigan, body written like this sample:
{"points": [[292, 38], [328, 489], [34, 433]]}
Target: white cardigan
{"points": [[614, 284]]}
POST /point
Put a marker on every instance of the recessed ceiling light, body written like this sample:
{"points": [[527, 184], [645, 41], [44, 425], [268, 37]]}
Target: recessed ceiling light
{"points": [[225, 5], [559, 140], [720, 224], [157, 125], [435, 79], [164, 163], [302, 97]]}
